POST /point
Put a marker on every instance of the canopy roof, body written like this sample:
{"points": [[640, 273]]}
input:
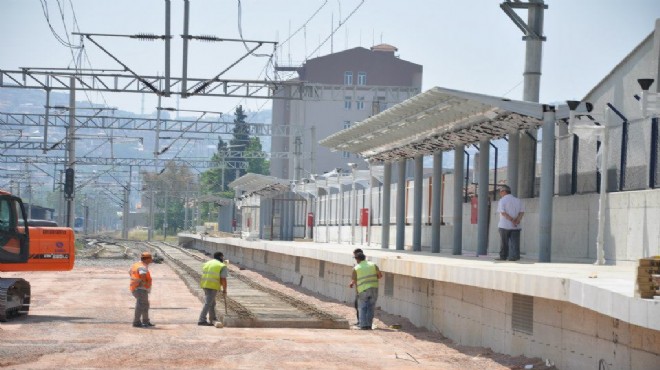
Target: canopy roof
{"points": [[436, 120], [252, 183]]}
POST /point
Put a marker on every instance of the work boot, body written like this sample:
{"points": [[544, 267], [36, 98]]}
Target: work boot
{"points": [[204, 323], [148, 324], [138, 325]]}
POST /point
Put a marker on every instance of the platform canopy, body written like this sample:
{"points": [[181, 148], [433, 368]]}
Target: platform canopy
{"points": [[215, 199], [252, 183], [437, 120]]}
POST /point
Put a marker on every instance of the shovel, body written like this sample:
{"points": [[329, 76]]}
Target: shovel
{"points": [[221, 324]]}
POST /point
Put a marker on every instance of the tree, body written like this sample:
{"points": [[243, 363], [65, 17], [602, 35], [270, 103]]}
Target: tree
{"points": [[170, 188], [239, 143], [257, 165]]}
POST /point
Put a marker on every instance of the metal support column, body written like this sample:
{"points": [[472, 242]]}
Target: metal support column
{"points": [[417, 205], [482, 198], [459, 155], [512, 162], [401, 205], [436, 205], [387, 194], [547, 184]]}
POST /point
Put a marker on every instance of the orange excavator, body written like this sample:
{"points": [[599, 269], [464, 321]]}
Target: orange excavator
{"points": [[28, 248]]}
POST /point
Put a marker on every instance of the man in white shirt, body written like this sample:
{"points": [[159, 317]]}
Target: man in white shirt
{"points": [[511, 210]]}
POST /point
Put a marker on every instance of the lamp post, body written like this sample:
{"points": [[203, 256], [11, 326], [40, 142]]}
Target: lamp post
{"points": [[579, 127]]}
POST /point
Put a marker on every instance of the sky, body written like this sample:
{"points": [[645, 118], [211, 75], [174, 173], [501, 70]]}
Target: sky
{"points": [[464, 45]]}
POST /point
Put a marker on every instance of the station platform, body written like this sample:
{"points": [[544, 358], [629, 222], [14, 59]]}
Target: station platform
{"points": [[606, 289]]}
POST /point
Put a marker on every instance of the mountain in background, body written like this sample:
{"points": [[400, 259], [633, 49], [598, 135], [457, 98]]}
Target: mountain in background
{"points": [[33, 101]]}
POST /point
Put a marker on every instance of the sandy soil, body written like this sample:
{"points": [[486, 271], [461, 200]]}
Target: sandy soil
{"points": [[82, 319]]}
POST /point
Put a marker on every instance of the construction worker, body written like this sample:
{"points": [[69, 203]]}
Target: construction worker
{"points": [[214, 275], [365, 276], [141, 287], [357, 310]]}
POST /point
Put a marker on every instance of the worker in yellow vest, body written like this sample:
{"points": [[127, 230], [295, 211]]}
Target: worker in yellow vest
{"points": [[365, 276], [141, 287], [214, 275], [355, 303]]}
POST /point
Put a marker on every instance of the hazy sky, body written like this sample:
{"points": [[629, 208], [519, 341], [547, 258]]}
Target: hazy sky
{"points": [[464, 45]]}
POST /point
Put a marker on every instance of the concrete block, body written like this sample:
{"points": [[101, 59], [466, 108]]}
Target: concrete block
{"points": [[547, 342], [494, 300], [641, 360], [645, 339], [473, 295], [642, 230], [576, 349], [613, 330], [580, 320], [619, 200], [520, 344], [494, 330], [454, 291], [654, 314], [615, 356], [638, 312], [547, 312], [471, 334]]}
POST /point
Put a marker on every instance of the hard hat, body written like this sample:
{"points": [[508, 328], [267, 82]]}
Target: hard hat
{"points": [[146, 256]]}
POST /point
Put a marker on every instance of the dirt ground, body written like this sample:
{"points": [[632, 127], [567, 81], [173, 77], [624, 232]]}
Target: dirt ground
{"points": [[82, 319]]}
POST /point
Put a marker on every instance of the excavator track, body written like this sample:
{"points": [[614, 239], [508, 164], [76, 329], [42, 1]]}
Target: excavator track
{"points": [[14, 298]]}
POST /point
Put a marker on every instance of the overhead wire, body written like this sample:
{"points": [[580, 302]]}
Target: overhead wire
{"points": [[341, 23]]}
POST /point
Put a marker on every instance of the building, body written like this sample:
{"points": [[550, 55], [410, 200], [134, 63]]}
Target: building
{"points": [[339, 89]]}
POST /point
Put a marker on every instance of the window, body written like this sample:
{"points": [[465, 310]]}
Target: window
{"points": [[347, 124], [348, 78], [360, 103], [347, 102], [362, 78]]}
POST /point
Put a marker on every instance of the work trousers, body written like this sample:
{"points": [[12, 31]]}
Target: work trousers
{"points": [[209, 305], [367, 304], [509, 244], [141, 306]]}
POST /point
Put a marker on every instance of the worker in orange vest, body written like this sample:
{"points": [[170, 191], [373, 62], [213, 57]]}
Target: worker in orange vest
{"points": [[140, 287]]}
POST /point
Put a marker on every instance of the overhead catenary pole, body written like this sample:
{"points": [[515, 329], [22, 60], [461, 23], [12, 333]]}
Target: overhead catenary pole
{"points": [[522, 155], [184, 73], [167, 47], [71, 150]]}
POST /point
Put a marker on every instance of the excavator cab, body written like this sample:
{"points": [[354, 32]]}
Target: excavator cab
{"points": [[14, 236], [24, 247]]}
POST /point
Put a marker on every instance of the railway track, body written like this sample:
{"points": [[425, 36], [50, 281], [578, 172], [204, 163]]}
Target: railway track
{"points": [[249, 304]]}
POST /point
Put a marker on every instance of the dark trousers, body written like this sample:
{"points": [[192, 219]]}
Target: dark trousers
{"points": [[357, 310], [509, 244], [141, 306]]}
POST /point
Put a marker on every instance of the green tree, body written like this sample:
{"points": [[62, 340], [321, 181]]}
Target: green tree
{"points": [[259, 164], [170, 188], [239, 143]]}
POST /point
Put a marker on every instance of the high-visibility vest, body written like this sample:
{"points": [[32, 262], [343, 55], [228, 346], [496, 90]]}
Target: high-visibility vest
{"points": [[211, 274], [367, 276], [136, 280]]}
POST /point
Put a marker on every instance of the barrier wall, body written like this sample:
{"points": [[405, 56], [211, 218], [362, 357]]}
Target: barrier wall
{"points": [[631, 230], [509, 312]]}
